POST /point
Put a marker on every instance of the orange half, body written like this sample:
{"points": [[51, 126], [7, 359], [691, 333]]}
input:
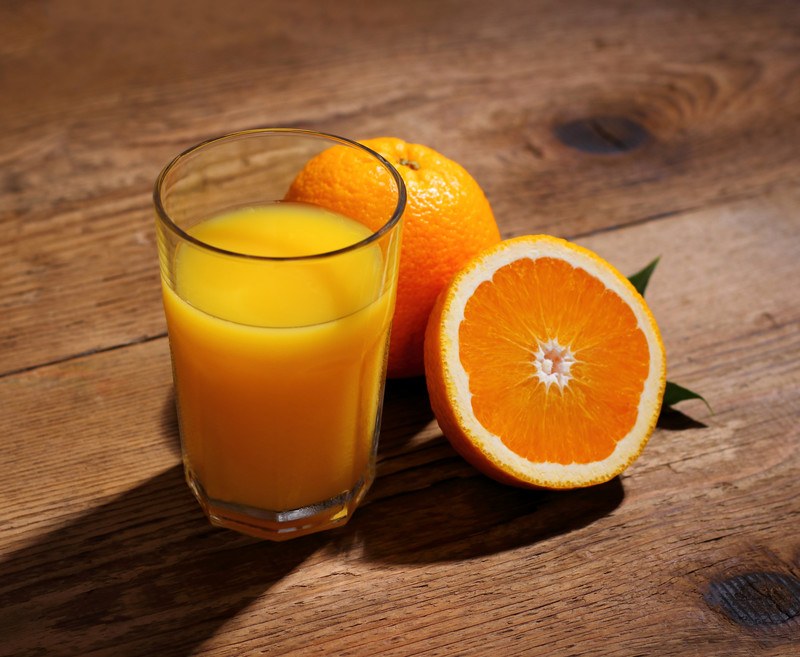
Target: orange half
{"points": [[544, 365]]}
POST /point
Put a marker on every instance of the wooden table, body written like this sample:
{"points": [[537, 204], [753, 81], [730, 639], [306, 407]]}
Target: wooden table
{"points": [[637, 129]]}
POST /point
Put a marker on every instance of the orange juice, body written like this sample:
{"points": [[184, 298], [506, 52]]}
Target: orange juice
{"points": [[278, 363]]}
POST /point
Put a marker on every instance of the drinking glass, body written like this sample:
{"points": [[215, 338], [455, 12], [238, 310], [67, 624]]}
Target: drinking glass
{"points": [[279, 361]]}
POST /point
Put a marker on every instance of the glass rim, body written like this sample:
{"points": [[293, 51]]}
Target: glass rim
{"points": [[167, 221]]}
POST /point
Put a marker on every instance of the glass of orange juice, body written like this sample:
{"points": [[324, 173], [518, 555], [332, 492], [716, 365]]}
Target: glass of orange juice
{"points": [[278, 316]]}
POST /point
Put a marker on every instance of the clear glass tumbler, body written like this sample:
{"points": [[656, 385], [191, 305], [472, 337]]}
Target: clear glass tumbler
{"points": [[278, 316]]}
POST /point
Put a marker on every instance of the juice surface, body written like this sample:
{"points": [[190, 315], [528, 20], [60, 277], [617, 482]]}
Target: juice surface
{"points": [[278, 364]]}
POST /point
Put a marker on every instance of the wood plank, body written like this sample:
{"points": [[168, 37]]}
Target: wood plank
{"points": [[102, 550], [95, 101]]}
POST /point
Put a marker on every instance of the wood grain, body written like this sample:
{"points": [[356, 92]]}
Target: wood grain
{"points": [[439, 560], [638, 129], [96, 101]]}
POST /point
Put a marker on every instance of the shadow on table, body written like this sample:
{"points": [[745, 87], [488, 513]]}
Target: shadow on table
{"points": [[456, 513], [406, 412], [461, 519], [145, 574]]}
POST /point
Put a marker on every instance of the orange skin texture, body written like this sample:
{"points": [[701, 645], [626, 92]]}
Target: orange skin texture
{"points": [[447, 221]]}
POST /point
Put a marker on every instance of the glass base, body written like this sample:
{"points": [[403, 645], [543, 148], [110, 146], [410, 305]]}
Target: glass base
{"points": [[280, 525]]}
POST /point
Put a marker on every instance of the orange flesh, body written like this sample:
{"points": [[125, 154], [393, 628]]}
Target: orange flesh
{"points": [[529, 302]]}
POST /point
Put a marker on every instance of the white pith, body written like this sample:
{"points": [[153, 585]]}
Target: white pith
{"points": [[547, 473]]}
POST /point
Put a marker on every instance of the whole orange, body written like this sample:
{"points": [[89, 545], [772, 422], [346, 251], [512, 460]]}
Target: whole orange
{"points": [[447, 221]]}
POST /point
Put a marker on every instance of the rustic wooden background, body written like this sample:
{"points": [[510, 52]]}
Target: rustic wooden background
{"points": [[637, 128]]}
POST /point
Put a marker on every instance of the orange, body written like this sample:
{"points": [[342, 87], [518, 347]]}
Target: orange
{"points": [[544, 365], [447, 221]]}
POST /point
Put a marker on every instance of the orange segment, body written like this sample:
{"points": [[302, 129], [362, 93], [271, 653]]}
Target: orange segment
{"points": [[545, 366]]}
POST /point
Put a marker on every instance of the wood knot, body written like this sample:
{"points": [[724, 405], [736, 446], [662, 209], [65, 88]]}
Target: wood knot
{"points": [[604, 135], [756, 598]]}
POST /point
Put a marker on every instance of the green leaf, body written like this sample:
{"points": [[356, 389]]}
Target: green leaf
{"points": [[674, 393], [641, 278]]}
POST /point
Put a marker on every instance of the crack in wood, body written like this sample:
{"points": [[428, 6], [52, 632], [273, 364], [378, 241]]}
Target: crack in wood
{"points": [[89, 352]]}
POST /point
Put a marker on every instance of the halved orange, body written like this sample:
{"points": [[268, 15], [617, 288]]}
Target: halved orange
{"points": [[544, 365]]}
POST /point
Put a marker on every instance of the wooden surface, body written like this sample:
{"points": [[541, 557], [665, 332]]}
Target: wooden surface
{"points": [[638, 129]]}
